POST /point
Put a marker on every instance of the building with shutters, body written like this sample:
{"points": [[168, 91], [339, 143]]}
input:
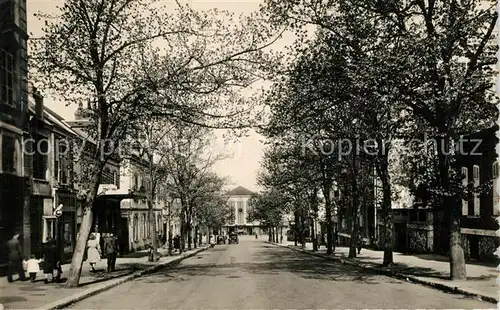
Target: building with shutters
{"points": [[479, 167], [420, 228]]}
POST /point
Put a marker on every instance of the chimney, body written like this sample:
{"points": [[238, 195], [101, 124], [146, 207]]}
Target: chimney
{"points": [[79, 112], [38, 104]]}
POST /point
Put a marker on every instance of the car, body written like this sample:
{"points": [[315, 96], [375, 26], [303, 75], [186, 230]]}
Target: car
{"points": [[221, 239], [233, 238]]}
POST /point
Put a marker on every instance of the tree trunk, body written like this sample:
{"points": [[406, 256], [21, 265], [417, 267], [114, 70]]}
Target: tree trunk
{"points": [[314, 239], [296, 229], [388, 226], [354, 208], [453, 211], [200, 237], [270, 234], [328, 213], [387, 214], [75, 269], [152, 222], [302, 231], [190, 236], [182, 237], [195, 237]]}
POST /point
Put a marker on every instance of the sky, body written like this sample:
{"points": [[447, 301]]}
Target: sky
{"points": [[242, 164]]}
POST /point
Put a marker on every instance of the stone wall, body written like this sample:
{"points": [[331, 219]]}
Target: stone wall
{"points": [[487, 248], [419, 241]]}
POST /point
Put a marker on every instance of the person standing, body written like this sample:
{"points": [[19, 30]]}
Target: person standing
{"points": [[15, 259], [93, 252], [359, 242], [33, 266], [116, 250], [49, 259], [110, 251]]}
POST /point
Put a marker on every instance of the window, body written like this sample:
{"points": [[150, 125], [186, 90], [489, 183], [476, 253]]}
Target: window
{"points": [[61, 164], [241, 213], [135, 185], [496, 196], [7, 77], [40, 156], [232, 207], [149, 225], [422, 216], [465, 181], [159, 226], [249, 210], [9, 154], [477, 200], [144, 223], [48, 229], [136, 227], [115, 178]]}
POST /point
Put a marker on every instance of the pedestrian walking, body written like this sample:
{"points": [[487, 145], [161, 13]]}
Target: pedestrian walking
{"points": [[49, 264], [93, 252], [359, 242], [116, 250], [15, 259], [33, 267], [109, 251]]}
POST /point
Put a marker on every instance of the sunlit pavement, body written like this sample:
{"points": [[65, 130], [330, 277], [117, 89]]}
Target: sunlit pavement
{"points": [[257, 275]]}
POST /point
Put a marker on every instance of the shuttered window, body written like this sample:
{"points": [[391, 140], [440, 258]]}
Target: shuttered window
{"points": [[477, 200], [465, 180]]}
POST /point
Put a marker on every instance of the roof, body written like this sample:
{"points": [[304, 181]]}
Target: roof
{"points": [[53, 117], [240, 191]]}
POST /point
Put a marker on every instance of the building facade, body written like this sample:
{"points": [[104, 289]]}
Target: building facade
{"points": [[14, 180], [134, 210], [238, 201], [479, 167]]}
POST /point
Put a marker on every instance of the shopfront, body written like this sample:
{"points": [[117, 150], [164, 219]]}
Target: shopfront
{"points": [[66, 224]]}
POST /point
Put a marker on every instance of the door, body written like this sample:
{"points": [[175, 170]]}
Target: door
{"points": [[474, 246], [400, 237], [123, 235]]}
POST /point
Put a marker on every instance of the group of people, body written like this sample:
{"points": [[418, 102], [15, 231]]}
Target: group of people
{"points": [[50, 261], [110, 249], [321, 238]]}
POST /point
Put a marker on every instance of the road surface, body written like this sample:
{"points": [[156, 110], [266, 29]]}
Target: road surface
{"points": [[257, 275]]}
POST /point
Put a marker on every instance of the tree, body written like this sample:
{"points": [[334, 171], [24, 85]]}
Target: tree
{"points": [[445, 44], [268, 208], [189, 165], [92, 53], [451, 48], [151, 140]]}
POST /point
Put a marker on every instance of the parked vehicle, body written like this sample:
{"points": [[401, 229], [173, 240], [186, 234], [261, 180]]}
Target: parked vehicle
{"points": [[221, 239], [233, 238]]}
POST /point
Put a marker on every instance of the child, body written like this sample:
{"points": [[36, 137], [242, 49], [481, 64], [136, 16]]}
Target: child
{"points": [[58, 271], [33, 267]]}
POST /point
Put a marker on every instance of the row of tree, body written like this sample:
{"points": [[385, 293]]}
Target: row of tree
{"points": [[148, 70], [363, 77]]}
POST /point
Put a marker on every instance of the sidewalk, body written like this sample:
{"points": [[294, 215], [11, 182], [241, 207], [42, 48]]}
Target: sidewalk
{"points": [[428, 269], [26, 295]]}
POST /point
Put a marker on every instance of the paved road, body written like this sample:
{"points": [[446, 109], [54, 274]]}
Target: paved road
{"points": [[257, 275]]}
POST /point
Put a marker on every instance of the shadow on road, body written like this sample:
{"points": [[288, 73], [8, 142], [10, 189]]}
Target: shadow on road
{"points": [[273, 262]]}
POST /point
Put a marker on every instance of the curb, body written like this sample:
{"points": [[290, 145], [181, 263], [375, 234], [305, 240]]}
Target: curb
{"points": [[115, 282], [398, 275]]}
